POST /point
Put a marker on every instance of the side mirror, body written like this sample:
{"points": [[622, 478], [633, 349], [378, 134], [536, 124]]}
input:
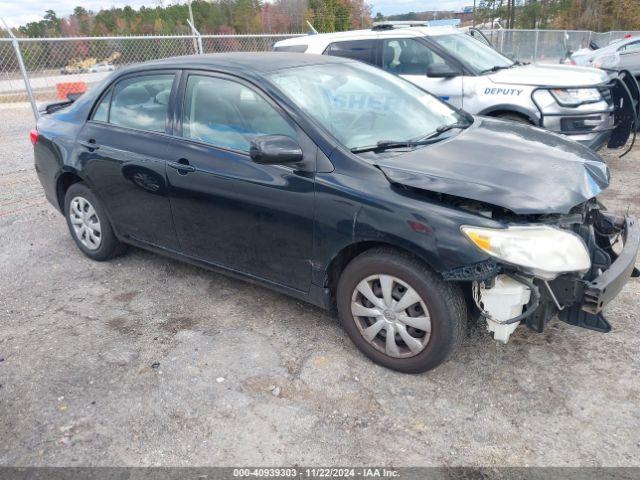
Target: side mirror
{"points": [[275, 150], [441, 70]]}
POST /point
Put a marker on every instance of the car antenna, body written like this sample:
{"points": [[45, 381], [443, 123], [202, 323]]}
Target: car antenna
{"points": [[313, 30]]}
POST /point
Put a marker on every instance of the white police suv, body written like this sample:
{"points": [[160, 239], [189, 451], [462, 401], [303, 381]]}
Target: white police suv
{"points": [[594, 107]]}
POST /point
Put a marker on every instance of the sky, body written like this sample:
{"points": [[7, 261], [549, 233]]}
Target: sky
{"points": [[19, 12]]}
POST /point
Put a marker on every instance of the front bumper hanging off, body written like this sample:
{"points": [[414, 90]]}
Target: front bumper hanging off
{"points": [[577, 299], [593, 295]]}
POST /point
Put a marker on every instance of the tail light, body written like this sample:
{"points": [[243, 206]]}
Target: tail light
{"points": [[33, 136]]}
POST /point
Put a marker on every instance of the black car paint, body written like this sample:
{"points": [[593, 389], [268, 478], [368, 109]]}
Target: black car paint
{"points": [[520, 168], [284, 226]]}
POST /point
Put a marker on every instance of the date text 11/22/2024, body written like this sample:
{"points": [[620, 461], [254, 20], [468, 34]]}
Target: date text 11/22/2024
{"points": [[365, 472]]}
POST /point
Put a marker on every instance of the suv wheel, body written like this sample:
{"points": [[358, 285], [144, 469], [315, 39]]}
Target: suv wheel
{"points": [[515, 117], [398, 312], [88, 224]]}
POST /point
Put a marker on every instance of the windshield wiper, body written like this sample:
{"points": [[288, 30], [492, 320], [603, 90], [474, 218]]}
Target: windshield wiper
{"points": [[429, 139], [451, 126]]}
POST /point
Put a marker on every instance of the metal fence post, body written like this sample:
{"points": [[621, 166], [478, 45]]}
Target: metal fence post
{"points": [[196, 33], [23, 70], [535, 46]]}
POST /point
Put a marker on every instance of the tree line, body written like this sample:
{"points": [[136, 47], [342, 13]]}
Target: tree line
{"points": [[596, 15], [291, 16], [210, 17]]}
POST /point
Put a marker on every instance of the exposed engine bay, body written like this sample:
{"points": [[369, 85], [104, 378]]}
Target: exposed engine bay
{"points": [[508, 295]]}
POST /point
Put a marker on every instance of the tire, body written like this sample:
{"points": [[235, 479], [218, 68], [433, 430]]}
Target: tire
{"points": [[514, 117], [444, 303], [89, 225]]}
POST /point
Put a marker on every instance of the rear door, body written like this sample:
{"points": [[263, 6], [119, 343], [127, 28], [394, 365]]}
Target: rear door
{"points": [[123, 149], [228, 210], [410, 58]]}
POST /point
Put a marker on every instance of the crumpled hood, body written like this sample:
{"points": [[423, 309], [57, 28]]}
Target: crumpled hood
{"points": [[550, 75], [524, 169]]}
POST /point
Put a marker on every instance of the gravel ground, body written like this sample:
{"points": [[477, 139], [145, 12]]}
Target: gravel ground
{"points": [[148, 361]]}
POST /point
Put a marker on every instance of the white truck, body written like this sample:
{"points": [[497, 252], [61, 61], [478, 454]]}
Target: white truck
{"points": [[593, 107]]}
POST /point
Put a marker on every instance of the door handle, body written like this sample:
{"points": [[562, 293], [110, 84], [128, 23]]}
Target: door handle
{"points": [[91, 144], [182, 168]]}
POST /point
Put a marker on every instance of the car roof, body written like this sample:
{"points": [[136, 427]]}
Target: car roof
{"points": [[246, 62], [326, 38]]}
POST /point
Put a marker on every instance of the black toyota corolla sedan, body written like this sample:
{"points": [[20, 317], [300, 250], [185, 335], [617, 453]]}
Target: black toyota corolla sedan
{"points": [[344, 186]]}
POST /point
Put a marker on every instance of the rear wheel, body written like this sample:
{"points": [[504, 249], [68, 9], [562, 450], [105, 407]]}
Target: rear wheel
{"points": [[89, 225], [398, 312]]}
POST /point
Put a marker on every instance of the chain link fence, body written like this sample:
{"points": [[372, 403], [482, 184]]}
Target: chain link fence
{"points": [[548, 46], [58, 66]]}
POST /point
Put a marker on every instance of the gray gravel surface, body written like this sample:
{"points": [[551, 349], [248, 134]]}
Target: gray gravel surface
{"points": [[148, 361]]}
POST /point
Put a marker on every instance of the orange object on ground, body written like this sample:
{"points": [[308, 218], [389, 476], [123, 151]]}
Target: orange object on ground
{"points": [[66, 88]]}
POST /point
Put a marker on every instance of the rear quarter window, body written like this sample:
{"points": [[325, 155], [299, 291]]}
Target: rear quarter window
{"points": [[362, 50], [101, 113], [291, 48]]}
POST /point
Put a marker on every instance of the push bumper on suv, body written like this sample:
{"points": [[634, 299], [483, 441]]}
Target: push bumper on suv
{"points": [[609, 121]]}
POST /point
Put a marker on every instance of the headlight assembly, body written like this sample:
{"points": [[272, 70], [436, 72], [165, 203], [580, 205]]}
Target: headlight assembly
{"points": [[545, 251], [572, 97]]}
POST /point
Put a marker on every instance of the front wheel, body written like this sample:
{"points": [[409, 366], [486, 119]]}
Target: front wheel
{"points": [[398, 312]]}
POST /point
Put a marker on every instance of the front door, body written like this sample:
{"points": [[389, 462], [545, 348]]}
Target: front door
{"points": [[124, 151], [228, 210], [411, 58], [630, 58]]}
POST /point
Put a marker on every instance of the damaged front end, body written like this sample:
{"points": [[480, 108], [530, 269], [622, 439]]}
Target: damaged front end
{"points": [[526, 282]]}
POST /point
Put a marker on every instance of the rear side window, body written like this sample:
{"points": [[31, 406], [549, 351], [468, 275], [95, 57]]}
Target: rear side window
{"points": [[228, 114], [362, 50], [140, 102]]}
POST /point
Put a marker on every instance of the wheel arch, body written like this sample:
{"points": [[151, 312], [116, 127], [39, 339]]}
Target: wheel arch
{"points": [[497, 110], [347, 253], [63, 182]]}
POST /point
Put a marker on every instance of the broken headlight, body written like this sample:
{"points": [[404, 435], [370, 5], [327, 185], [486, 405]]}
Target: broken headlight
{"points": [[545, 251], [572, 97]]}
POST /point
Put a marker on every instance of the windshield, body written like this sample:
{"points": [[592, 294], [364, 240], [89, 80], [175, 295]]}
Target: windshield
{"points": [[475, 53], [362, 105]]}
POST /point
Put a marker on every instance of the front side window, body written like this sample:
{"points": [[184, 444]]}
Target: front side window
{"points": [[361, 50], [405, 56], [631, 48], [477, 54], [362, 105], [227, 114], [140, 102]]}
